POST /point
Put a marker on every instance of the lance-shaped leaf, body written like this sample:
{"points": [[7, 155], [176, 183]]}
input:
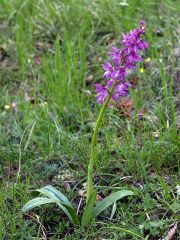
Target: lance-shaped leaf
{"points": [[72, 215], [53, 193], [113, 210], [54, 196], [63, 202], [109, 200], [87, 215], [36, 202]]}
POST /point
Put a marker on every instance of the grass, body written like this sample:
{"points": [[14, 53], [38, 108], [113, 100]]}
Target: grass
{"points": [[51, 54]]}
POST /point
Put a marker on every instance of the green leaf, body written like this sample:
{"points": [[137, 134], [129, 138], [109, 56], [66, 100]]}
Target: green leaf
{"points": [[175, 207], [55, 194], [113, 210], [72, 215], [106, 202], [36, 202], [62, 201], [88, 211]]}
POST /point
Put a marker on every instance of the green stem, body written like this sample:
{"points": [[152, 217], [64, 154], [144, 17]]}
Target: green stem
{"points": [[93, 143]]}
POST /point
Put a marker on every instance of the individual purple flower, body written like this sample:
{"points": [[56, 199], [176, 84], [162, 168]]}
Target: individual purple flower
{"points": [[141, 23], [108, 70], [110, 82], [122, 89], [133, 57], [118, 73], [102, 93], [115, 55], [142, 44], [123, 61]]}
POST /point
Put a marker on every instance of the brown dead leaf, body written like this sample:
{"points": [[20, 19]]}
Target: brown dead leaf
{"points": [[82, 193], [141, 114], [98, 198], [111, 41], [134, 80], [125, 106], [27, 98], [89, 79], [67, 186], [39, 45], [37, 60], [85, 186], [156, 134], [158, 32]]}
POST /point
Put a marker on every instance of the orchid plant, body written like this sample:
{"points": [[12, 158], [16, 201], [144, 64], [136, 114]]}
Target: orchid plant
{"points": [[123, 62]]}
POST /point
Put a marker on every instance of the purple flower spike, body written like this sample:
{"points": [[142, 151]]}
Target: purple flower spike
{"points": [[123, 61]]}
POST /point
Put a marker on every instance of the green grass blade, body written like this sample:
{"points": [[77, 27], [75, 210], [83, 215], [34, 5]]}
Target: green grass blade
{"points": [[137, 236], [88, 211], [106, 202]]}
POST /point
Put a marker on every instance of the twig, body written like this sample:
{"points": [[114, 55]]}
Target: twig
{"points": [[171, 232]]}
